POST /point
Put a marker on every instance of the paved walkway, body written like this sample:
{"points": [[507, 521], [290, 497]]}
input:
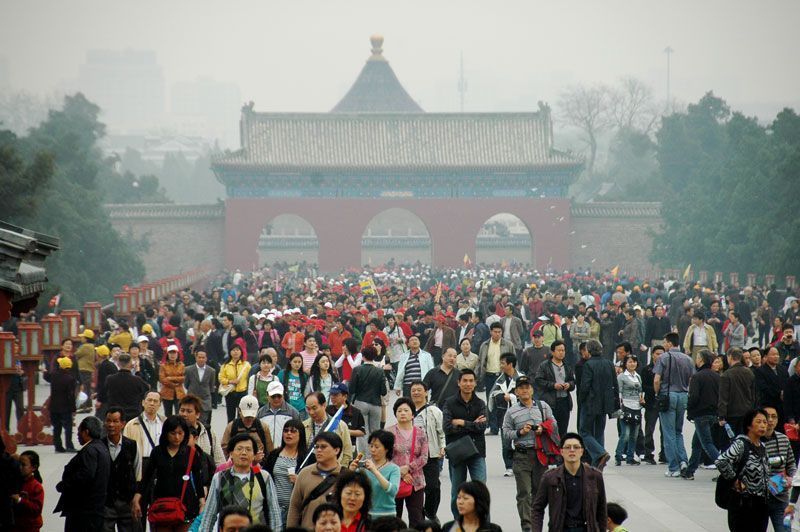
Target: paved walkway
{"points": [[654, 503]]}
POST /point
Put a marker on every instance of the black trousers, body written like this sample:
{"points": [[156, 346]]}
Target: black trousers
{"points": [[646, 442], [232, 404], [14, 397], [748, 514], [561, 412], [83, 523], [62, 422], [433, 487]]}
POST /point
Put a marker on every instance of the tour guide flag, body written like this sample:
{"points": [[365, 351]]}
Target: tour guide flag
{"points": [[686, 272], [333, 424], [615, 271]]}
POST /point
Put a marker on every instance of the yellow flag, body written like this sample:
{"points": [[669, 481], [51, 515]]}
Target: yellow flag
{"points": [[366, 287], [615, 271], [438, 292], [686, 272], [467, 261]]}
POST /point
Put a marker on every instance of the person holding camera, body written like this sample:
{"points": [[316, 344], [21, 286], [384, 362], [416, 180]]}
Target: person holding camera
{"points": [[527, 424]]}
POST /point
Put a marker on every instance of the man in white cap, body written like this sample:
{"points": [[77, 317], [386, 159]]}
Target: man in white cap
{"points": [[247, 423], [276, 412]]}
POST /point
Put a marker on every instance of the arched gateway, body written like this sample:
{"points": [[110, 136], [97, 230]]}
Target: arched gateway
{"points": [[378, 150]]}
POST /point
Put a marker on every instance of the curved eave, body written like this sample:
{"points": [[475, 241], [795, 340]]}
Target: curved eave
{"points": [[372, 169]]}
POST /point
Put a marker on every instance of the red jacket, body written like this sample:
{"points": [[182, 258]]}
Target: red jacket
{"points": [[28, 513], [371, 335]]}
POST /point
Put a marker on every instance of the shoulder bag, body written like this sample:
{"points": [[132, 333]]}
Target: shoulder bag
{"points": [[225, 389], [724, 493], [171, 511], [405, 489]]}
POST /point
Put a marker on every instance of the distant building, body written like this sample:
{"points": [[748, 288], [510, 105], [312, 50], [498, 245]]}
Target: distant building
{"points": [[128, 86], [215, 104]]}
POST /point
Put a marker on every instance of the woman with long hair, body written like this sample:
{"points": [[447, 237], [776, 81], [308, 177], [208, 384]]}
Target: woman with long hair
{"points": [[237, 337], [354, 495], [284, 462], [28, 502], [631, 396], [383, 474], [234, 372], [164, 475], [410, 454], [294, 382], [382, 360], [473, 502], [171, 376], [321, 377], [397, 340]]}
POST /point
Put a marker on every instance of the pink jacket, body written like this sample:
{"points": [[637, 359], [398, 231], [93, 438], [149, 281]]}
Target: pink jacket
{"points": [[402, 453]]}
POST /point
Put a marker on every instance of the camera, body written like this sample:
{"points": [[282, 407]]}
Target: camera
{"points": [[362, 463]]}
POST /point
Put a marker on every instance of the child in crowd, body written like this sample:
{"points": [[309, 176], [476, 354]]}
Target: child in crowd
{"points": [[616, 516], [29, 501]]}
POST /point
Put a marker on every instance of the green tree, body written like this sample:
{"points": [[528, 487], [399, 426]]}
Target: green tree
{"points": [[21, 182], [94, 261]]}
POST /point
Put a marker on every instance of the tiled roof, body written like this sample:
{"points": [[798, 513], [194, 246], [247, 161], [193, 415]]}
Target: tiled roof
{"points": [[286, 142], [624, 209], [167, 211], [377, 89], [22, 256]]}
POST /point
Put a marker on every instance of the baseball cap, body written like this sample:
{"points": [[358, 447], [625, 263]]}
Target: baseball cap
{"points": [[142, 338], [87, 333], [538, 332], [340, 387], [523, 381], [248, 406], [172, 347], [147, 328], [274, 388]]}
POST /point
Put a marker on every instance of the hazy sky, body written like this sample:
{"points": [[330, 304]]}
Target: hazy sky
{"points": [[303, 55]]}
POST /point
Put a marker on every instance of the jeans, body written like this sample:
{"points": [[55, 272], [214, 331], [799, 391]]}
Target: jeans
{"points": [[627, 442], [489, 380], [775, 507], [593, 427], [458, 475], [672, 430], [372, 422], [703, 441]]}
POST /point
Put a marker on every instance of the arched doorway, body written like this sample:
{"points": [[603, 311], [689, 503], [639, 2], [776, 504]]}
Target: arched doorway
{"points": [[395, 235], [288, 238], [504, 238]]}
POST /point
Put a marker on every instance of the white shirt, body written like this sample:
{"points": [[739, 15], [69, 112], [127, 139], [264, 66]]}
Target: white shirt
{"points": [[154, 428], [200, 372], [700, 336]]}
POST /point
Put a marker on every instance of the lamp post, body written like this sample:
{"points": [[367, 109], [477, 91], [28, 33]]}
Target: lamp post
{"points": [[8, 370], [29, 428]]}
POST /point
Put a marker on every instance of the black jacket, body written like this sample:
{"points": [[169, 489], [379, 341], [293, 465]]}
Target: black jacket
{"points": [[105, 369], [122, 484], [62, 390], [648, 386], [545, 380], [703, 393], [655, 329], [791, 399], [456, 408], [770, 386], [84, 482], [599, 389], [127, 391]]}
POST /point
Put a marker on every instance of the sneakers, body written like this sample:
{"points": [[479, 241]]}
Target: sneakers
{"points": [[633, 462], [649, 460], [685, 475], [684, 468], [709, 466], [617, 462], [508, 473], [672, 474]]}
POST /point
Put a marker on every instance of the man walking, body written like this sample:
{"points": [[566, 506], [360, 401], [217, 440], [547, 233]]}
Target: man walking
{"points": [[736, 392], [126, 390], [501, 398], [84, 483], [651, 410], [513, 330], [702, 409], [671, 383], [598, 392], [522, 425], [441, 339], [528, 362], [574, 493], [200, 380], [414, 366], [555, 379], [465, 417], [428, 417], [442, 381], [489, 364], [126, 471]]}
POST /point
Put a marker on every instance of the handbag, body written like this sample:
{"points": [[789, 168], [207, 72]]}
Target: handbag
{"points": [[405, 489], [631, 416], [461, 450], [225, 389], [791, 432], [725, 494], [171, 511]]}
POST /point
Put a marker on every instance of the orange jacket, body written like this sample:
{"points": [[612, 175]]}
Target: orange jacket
{"points": [[171, 378], [299, 338]]}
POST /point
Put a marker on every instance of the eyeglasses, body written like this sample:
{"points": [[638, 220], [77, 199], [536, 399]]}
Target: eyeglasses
{"points": [[572, 447], [289, 429]]}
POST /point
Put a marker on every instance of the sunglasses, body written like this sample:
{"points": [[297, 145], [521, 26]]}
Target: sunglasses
{"points": [[289, 429]]}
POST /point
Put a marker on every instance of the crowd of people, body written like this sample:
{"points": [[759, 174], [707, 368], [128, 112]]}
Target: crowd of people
{"points": [[345, 396]]}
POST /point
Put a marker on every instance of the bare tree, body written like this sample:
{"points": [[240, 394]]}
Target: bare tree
{"points": [[587, 108], [632, 106]]}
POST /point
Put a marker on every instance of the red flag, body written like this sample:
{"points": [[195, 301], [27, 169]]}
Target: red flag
{"points": [[55, 300]]}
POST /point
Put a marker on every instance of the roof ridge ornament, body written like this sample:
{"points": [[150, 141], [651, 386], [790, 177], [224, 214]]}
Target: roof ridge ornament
{"points": [[377, 48]]}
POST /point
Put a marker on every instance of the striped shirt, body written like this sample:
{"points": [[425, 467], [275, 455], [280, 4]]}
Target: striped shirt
{"points": [[778, 446], [413, 370]]}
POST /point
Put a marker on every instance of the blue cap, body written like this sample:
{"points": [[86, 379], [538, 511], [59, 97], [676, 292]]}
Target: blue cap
{"points": [[340, 387]]}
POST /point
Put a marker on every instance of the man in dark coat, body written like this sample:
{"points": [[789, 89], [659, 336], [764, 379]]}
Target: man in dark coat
{"points": [[84, 483], [63, 388], [125, 389], [555, 379], [770, 380], [597, 395]]}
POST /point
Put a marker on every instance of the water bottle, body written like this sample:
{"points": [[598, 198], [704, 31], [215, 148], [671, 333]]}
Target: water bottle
{"points": [[729, 431], [787, 522]]}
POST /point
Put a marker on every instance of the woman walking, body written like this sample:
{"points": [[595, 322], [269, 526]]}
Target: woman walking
{"points": [[284, 462], [233, 376], [411, 455]]}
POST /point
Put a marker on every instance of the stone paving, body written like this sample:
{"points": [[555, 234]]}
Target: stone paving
{"points": [[654, 503]]}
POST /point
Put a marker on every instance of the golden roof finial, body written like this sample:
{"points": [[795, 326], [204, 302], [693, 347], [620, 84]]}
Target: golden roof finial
{"points": [[377, 48]]}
